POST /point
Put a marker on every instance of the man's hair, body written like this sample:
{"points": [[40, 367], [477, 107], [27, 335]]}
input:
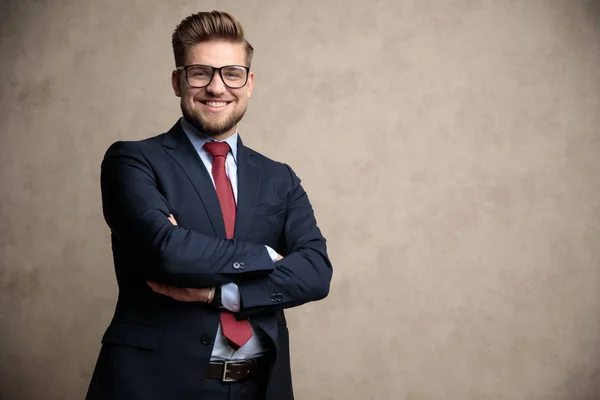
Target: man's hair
{"points": [[204, 26]]}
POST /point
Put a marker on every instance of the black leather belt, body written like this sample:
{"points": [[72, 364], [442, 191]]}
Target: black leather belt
{"points": [[234, 371]]}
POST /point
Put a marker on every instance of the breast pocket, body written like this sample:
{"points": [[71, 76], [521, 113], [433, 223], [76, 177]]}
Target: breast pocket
{"points": [[263, 210], [268, 222]]}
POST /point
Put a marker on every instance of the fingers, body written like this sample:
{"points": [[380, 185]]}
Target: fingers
{"points": [[180, 294], [172, 219], [158, 287], [166, 290]]}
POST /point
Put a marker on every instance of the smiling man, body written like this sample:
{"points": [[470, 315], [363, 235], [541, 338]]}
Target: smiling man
{"points": [[211, 241]]}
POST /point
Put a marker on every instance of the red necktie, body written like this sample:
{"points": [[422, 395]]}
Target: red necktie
{"points": [[237, 332]]}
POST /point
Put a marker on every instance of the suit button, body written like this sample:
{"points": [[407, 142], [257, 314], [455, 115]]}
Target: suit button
{"points": [[279, 297], [274, 298], [238, 265], [206, 338]]}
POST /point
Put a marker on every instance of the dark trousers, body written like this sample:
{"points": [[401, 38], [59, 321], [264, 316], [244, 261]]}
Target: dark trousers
{"points": [[251, 389]]}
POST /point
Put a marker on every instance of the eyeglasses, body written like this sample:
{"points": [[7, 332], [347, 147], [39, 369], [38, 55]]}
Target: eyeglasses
{"points": [[199, 76]]}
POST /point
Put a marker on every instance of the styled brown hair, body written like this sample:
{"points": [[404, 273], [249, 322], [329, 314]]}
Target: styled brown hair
{"points": [[204, 26]]}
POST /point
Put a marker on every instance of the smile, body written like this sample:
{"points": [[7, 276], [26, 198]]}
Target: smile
{"points": [[215, 104]]}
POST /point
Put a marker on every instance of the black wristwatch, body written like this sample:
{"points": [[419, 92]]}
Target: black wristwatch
{"points": [[217, 298]]}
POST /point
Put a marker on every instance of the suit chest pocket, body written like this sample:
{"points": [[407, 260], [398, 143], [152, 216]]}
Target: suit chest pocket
{"points": [[266, 210], [267, 223]]}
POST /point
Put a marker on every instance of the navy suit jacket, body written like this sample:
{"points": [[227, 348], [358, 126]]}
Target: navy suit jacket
{"points": [[158, 348]]}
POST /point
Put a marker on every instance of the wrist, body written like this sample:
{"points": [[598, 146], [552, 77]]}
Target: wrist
{"points": [[216, 298]]}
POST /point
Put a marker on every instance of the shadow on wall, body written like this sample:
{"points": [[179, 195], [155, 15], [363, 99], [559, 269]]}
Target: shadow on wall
{"points": [[584, 384], [592, 12], [593, 9]]}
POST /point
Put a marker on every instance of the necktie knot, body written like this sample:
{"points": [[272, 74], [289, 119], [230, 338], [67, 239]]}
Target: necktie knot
{"points": [[217, 149]]}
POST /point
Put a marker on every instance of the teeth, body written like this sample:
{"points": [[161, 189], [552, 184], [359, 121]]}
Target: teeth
{"points": [[216, 103]]}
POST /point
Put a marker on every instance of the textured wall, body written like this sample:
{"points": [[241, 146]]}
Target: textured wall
{"points": [[450, 148]]}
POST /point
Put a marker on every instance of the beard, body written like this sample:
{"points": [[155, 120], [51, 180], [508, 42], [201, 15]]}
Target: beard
{"points": [[212, 128]]}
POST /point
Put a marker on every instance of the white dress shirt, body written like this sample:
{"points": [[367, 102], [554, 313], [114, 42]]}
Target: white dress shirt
{"points": [[230, 294]]}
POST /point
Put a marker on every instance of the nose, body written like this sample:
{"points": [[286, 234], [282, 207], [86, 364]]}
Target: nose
{"points": [[216, 86]]}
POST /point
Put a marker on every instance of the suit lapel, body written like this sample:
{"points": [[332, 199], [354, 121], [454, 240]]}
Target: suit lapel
{"points": [[178, 146], [248, 184]]}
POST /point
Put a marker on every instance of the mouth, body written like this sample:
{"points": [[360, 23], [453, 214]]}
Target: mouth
{"points": [[215, 106]]}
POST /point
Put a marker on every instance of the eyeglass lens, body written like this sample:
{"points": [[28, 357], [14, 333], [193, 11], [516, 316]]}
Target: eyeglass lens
{"points": [[233, 76]]}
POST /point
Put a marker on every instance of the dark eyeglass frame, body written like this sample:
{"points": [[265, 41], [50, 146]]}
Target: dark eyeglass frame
{"points": [[220, 70]]}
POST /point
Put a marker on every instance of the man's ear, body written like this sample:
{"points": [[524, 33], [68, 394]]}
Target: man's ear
{"points": [[250, 83], [175, 83]]}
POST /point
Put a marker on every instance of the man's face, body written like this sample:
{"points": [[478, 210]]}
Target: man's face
{"points": [[215, 109]]}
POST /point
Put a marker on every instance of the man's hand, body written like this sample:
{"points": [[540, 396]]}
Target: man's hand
{"points": [[172, 219], [180, 294]]}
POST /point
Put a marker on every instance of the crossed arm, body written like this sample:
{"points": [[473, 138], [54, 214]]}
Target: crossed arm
{"points": [[188, 263], [204, 295]]}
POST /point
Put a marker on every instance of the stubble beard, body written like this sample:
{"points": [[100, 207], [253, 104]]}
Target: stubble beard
{"points": [[212, 128]]}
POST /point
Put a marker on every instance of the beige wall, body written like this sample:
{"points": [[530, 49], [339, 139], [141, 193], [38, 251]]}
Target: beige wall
{"points": [[451, 150]]}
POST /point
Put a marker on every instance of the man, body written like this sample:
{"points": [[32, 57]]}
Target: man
{"points": [[211, 241]]}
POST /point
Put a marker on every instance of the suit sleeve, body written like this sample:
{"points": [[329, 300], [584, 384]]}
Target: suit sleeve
{"points": [[137, 214], [304, 274]]}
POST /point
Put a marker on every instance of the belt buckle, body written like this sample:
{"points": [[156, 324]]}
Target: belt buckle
{"points": [[224, 377]]}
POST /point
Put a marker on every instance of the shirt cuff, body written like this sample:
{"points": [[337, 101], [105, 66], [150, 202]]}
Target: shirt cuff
{"points": [[272, 253], [230, 297]]}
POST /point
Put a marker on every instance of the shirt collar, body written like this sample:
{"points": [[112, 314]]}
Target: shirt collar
{"points": [[198, 138]]}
